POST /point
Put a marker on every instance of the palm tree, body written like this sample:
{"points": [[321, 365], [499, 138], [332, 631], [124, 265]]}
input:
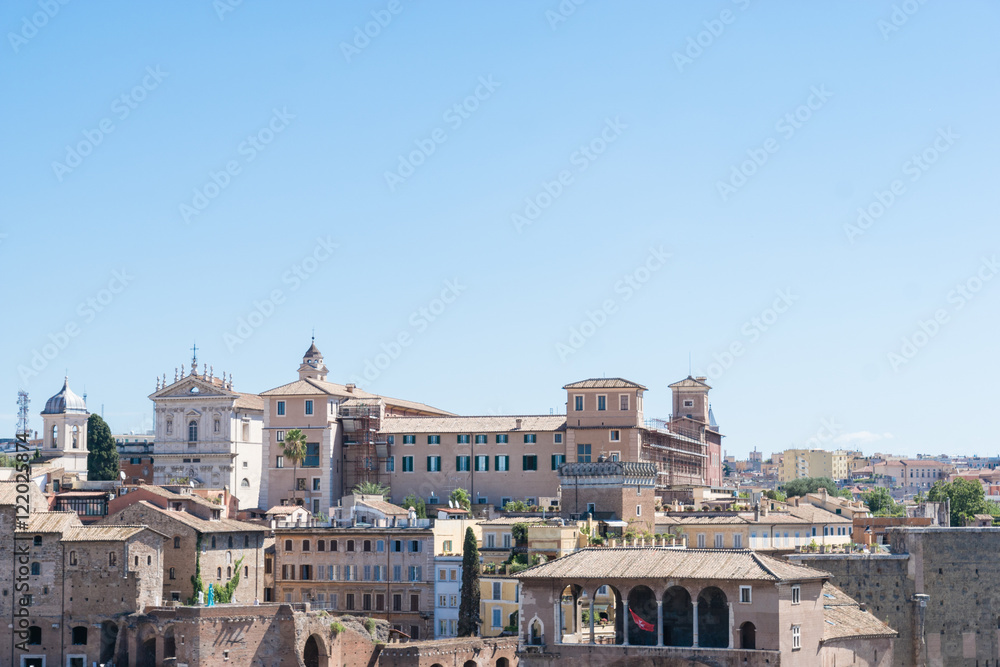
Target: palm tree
{"points": [[294, 449], [371, 489]]}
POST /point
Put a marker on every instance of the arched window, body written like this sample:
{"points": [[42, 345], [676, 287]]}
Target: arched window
{"points": [[229, 573], [149, 560], [34, 635], [245, 483], [36, 568], [192, 431], [76, 437], [80, 635], [305, 545], [72, 558], [229, 557], [288, 545], [218, 573], [55, 435]]}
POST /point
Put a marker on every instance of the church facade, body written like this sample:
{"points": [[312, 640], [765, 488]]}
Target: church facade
{"points": [[207, 434]]}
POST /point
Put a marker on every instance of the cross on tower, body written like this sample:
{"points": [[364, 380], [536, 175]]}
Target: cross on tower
{"points": [[194, 353]]}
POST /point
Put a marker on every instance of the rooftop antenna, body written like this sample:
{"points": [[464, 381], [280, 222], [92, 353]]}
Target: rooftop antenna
{"points": [[690, 365], [22, 413]]}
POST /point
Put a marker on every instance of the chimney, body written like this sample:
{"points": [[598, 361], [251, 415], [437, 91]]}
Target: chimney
{"points": [[517, 423], [350, 387], [756, 512]]}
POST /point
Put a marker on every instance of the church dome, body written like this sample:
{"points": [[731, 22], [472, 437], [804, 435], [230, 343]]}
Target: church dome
{"points": [[65, 401], [313, 352]]}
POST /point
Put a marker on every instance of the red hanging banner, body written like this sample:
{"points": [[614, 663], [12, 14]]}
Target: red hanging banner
{"points": [[648, 627]]}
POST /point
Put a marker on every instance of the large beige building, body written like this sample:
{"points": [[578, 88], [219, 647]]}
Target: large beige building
{"points": [[799, 463]]}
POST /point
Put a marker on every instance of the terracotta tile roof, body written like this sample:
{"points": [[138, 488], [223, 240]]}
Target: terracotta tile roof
{"points": [[845, 619], [101, 533], [604, 383], [484, 424], [385, 508], [249, 402], [50, 522], [8, 495], [283, 510], [709, 520], [669, 563], [511, 520], [201, 525], [312, 387], [814, 514]]}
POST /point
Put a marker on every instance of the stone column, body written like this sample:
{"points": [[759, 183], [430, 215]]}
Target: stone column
{"points": [[591, 599], [694, 617], [731, 621], [919, 643], [625, 622], [659, 622]]}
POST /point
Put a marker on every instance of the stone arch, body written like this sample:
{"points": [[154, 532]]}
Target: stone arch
{"points": [[503, 662], [609, 610], [573, 627], [748, 636], [641, 604], [536, 631], [109, 638], [470, 663], [169, 643], [78, 635], [713, 618], [678, 617], [315, 653]]}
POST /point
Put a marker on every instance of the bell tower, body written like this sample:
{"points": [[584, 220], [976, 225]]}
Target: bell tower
{"points": [[65, 429], [312, 364]]}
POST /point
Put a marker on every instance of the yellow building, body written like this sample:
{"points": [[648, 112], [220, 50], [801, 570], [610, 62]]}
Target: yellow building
{"points": [[799, 463], [498, 601]]}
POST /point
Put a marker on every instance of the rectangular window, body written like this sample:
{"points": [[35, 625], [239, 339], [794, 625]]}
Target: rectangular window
{"points": [[491, 540], [602, 402], [315, 483], [409, 439], [506, 540], [463, 439], [397, 572], [390, 440], [482, 464], [623, 402], [434, 440], [397, 602], [309, 407], [737, 541], [312, 455], [462, 463], [501, 438], [433, 464], [578, 403], [719, 541], [504, 500], [557, 438], [616, 436], [557, 460], [281, 408], [529, 462], [350, 601], [390, 464], [701, 540], [407, 464], [446, 547], [279, 462], [745, 594], [480, 439], [414, 606], [502, 463], [496, 618], [796, 594], [497, 587], [796, 637], [279, 436], [583, 453], [530, 438]]}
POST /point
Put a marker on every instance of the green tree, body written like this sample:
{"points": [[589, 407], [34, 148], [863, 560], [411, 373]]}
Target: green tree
{"points": [[881, 503], [371, 489], [102, 461], [804, 485], [417, 503], [519, 531], [515, 506], [294, 449], [966, 498], [775, 495], [461, 498], [468, 608]]}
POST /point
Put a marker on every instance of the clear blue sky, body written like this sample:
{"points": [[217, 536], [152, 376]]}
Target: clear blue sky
{"points": [[663, 132]]}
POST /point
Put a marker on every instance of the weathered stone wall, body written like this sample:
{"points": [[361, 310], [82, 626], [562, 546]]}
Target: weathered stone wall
{"points": [[958, 568], [637, 656], [452, 653]]}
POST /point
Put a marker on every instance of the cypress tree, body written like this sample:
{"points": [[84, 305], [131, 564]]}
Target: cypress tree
{"points": [[468, 609]]}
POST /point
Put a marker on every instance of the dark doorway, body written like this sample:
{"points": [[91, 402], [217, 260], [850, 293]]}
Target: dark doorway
{"points": [[748, 636], [713, 618], [678, 617]]}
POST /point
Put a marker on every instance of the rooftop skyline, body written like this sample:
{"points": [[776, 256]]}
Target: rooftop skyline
{"points": [[472, 206]]}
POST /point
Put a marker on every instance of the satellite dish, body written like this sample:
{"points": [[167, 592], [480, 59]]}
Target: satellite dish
{"points": [[450, 505], [121, 474]]}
